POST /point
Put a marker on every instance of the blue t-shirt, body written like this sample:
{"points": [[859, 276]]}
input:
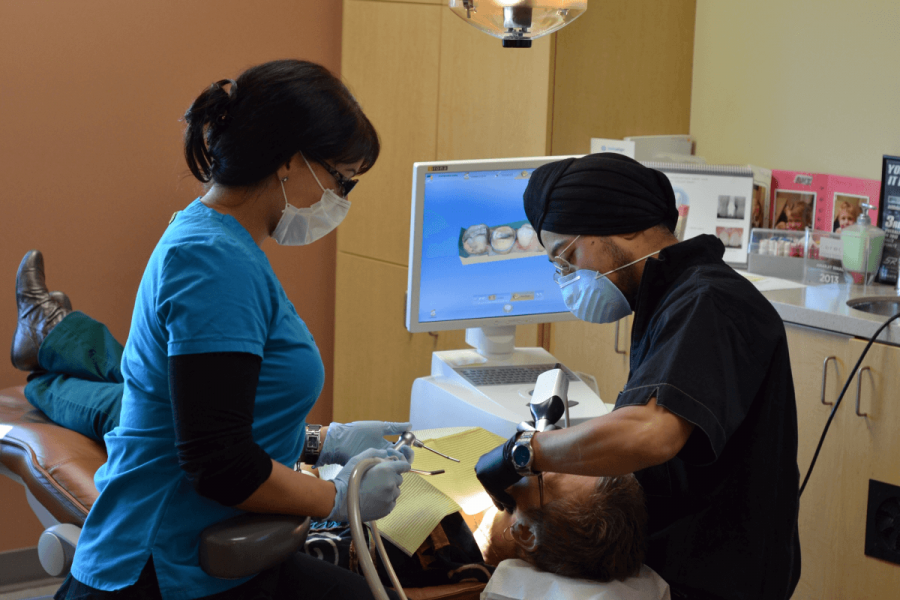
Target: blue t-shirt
{"points": [[207, 288]]}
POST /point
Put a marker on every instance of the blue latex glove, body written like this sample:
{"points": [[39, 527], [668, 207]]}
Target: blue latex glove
{"points": [[496, 473], [378, 489], [344, 441]]}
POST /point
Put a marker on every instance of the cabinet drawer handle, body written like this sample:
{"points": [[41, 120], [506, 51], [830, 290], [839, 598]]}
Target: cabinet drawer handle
{"points": [[858, 386], [616, 341], [825, 378]]}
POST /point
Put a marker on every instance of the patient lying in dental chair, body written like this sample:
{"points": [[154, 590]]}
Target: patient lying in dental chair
{"points": [[581, 527]]}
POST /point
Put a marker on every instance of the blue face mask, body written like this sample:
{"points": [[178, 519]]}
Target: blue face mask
{"points": [[592, 297]]}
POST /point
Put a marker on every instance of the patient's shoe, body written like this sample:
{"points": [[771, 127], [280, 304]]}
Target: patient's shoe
{"points": [[39, 312], [63, 301]]}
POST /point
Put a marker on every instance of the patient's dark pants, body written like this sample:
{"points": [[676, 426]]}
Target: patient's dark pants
{"points": [[82, 388]]}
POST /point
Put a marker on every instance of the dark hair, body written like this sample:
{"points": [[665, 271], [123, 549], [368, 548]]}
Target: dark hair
{"points": [[599, 537], [273, 111]]}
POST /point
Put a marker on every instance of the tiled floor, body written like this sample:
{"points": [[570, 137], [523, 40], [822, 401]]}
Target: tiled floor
{"points": [[38, 590]]}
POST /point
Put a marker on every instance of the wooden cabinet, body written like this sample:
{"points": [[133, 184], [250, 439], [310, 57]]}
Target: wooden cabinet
{"points": [[599, 350], [856, 449], [379, 357], [402, 104], [435, 89], [819, 505], [376, 378], [438, 89], [870, 450]]}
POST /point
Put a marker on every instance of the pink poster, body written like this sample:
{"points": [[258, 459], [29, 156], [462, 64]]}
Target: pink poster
{"points": [[820, 202]]}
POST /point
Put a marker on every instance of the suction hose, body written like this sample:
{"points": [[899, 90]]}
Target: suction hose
{"points": [[359, 537]]}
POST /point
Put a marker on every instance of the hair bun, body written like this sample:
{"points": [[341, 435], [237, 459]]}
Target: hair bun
{"points": [[220, 99]]}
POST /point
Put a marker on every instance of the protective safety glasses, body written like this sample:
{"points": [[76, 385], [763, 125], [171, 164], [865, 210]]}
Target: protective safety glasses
{"points": [[562, 266], [344, 184]]}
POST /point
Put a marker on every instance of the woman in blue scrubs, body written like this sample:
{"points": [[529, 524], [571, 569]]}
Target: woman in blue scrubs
{"points": [[219, 371]]}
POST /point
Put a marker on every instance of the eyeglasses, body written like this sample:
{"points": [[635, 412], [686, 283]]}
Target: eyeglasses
{"points": [[345, 185], [563, 267], [540, 479]]}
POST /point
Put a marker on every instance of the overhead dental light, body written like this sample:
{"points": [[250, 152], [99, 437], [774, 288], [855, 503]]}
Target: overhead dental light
{"points": [[517, 22]]}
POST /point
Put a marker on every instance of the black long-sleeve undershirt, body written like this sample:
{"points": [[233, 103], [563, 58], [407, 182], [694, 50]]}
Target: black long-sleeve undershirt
{"points": [[213, 397]]}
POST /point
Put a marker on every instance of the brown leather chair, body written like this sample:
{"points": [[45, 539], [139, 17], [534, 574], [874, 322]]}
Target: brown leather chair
{"points": [[57, 467]]}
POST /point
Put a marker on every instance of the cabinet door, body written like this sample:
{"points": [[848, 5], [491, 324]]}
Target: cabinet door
{"points": [[871, 447], [375, 358], [623, 68], [390, 62], [599, 350], [820, 509], [494, 101]]}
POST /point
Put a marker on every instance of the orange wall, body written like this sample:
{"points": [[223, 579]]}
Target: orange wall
{"points": [[91, 162]]}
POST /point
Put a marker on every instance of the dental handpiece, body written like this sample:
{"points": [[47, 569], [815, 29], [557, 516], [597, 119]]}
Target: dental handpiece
{"points": [[409, 439]]}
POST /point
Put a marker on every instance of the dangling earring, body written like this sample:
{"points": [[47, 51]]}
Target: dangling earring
{"points": [[284, 193]]}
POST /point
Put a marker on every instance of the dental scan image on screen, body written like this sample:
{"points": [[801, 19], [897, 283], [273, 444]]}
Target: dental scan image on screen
{"points": [[480, 257]]}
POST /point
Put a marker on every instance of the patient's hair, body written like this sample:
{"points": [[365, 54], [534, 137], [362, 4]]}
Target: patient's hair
{"points": [[600, 536], [240, 136]]}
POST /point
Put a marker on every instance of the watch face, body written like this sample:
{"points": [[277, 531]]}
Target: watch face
{"points": [[520, 456]]}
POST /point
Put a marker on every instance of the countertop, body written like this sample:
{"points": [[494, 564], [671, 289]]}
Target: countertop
{"points": [[825, 307]]}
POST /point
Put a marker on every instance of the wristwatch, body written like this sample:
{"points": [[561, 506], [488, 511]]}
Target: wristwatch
{"points": [[313, 444], [522, 455]]}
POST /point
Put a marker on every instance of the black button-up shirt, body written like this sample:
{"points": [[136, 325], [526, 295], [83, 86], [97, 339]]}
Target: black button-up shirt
{"points": [[711, 349]]}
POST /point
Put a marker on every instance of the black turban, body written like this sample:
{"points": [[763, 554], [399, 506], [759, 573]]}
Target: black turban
{"points": [[599, 194]]}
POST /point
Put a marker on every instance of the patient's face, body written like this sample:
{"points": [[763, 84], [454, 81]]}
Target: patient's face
{"points": [[527, 495], [526, 492]]}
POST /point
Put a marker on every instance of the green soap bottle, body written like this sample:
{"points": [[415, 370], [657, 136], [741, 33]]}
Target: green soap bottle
{"points": [[862, 245]]}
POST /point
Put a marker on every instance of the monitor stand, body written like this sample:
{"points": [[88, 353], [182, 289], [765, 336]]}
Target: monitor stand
{"points": [[463, 388]]}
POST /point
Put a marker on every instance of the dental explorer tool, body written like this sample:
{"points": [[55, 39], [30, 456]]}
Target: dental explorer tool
{"points": [[420, 472], [408, 438]]}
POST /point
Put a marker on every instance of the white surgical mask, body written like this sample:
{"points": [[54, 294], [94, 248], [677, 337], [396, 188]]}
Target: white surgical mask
{"points": [[302, 226], [592, 297]]}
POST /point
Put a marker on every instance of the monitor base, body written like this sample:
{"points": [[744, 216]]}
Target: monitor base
{"points": [[448, 399], [495, 343]]}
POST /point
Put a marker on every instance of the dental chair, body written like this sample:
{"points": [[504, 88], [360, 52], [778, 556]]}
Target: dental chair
{"points": [[56, 466]]}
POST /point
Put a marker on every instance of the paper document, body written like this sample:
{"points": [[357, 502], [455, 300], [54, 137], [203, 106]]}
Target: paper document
{"points": [[419, 509], [459, 482], [424, 501]]}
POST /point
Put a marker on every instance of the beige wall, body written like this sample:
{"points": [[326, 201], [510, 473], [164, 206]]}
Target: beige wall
{"points": [[803, 85], [91, 94]]}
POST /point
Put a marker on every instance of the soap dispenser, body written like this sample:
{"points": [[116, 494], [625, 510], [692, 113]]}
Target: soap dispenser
{"points": [[862, 245]]}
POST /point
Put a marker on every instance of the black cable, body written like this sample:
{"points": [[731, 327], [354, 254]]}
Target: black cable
{"points": [[841, 397]]}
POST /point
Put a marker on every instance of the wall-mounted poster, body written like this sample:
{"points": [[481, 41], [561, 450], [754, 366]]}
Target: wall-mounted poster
{"points": [[713, 199], [819, 201], [889, 219]]}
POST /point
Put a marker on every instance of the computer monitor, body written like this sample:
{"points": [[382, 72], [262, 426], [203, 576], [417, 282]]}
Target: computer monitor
{"points": [[474, 260]]}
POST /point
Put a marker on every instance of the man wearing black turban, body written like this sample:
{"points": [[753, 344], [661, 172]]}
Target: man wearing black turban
{"points": [[707, 420]]}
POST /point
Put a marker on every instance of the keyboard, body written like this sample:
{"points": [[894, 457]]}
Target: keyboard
{"points": [[510, 375]]}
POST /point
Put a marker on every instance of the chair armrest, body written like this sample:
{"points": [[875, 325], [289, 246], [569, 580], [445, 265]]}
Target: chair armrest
{"points": [[251, 543]]}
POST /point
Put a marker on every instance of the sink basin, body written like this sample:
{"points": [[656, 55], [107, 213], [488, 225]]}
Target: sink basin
{"points": [[885, 306]]}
